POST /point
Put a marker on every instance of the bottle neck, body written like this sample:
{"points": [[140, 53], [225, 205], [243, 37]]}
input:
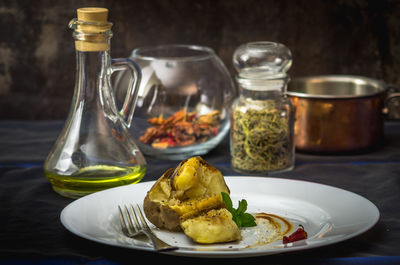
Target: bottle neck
{"points": [[93, 93], [91, 70], [91, 36]]}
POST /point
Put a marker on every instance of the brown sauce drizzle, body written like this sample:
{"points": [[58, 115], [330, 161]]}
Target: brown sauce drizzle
{"points": [[280, 225], [272, 219]]}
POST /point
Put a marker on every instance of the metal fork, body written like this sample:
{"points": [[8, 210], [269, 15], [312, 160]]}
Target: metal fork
{"points": [[136, 228]]}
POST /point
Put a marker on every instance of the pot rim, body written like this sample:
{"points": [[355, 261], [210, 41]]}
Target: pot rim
{"points": [[379, 86]]}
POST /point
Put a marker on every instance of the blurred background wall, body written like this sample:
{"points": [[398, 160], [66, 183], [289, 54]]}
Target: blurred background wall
{"points": [[37, 56]]}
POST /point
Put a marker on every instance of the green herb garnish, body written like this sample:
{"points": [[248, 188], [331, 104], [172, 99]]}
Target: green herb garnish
{"points": [[239, 215]]}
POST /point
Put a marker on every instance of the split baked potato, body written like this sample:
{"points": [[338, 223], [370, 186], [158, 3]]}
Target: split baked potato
{"points": [[188, 198]]}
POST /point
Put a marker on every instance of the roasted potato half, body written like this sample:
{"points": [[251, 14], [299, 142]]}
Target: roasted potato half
{"points": [[214, 226], [189, 198]]}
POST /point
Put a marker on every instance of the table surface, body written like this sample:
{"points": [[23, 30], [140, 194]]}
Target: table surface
{"points": [[31, 231]]}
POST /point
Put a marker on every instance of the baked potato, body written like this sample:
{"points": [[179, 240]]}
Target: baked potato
{"points": [[183, 199]]}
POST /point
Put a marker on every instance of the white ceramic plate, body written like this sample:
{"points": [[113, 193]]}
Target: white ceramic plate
{"points": [[328, 214]]}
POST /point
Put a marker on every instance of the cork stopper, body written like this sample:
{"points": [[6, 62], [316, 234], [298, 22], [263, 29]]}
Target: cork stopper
{"points": [[92, 29], [93, 14]]}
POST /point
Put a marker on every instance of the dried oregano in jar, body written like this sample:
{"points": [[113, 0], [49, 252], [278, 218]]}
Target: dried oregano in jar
{"points": [[260, 138], [262, 117]]}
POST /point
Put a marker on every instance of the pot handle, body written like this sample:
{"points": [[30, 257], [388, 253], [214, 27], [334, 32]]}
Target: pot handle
{"points": [[389, 98]]}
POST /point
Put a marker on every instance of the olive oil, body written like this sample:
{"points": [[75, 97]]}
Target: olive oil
{"points": [[94, 178]]}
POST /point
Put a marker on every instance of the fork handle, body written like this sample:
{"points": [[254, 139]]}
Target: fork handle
{"points": [[158, 244]]}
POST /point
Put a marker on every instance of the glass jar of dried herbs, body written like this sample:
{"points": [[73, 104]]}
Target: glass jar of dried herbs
{"points": [[262, 117]]}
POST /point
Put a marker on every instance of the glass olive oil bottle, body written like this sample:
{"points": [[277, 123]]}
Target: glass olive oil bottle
{"points": [[94, 151]]}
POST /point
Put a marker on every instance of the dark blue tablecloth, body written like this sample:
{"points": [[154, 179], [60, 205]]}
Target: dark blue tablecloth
{"points": [[31, 231]]}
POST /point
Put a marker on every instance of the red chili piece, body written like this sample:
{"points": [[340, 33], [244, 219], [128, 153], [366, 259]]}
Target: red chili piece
{"points": [[299, 234]]}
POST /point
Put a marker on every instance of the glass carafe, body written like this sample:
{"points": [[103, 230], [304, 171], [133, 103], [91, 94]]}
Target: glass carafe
{"points": [[94, 151]]}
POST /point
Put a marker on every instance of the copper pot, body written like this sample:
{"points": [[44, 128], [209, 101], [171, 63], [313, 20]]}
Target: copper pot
{"points": [[338, 113]]}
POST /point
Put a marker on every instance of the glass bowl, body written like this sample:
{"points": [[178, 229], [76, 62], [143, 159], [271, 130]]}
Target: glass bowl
{"points": [[183, 103]]}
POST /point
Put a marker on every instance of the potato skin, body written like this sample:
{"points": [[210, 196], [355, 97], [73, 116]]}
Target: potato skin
{"points": [[161, 215]]}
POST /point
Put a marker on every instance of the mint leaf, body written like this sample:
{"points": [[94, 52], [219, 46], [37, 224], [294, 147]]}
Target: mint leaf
{"points": [[238, 221], [242, 207], [239, 215], [227, 200], [248, 220]]}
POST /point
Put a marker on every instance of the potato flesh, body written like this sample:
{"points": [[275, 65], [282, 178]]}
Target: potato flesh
{"points": [[198, 181], [188, 177], [216, 226], [166, 189], [195, 207], [161, 192], [189, 180], [192, 184]]}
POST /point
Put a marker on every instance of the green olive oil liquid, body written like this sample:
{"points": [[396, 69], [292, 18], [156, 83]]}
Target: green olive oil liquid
{"points": [[94, 178]]}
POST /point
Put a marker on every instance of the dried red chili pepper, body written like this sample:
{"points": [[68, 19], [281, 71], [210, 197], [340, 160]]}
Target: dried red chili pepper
{"points": [[297, 235], [181, 129]]}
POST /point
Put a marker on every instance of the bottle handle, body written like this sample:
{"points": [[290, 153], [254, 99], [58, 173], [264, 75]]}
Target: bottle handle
{"points": [[130, 67]]}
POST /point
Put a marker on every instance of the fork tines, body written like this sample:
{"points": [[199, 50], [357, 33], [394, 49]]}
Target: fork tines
{"points": [[136, 228]]}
